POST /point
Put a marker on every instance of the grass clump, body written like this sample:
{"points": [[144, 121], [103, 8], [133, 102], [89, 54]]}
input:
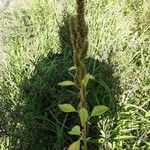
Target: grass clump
{"points": [[39, 53]]}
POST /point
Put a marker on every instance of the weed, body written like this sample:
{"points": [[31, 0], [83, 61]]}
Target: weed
{"points": [[79, 33]]}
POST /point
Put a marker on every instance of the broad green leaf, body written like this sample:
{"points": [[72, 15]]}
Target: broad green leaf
{"points": [[98, 110], [72, 68], [83, 114], [93, 141], [66, 83], [75, 146], [87, 78], [75, 130], [125, 137], [66, 108]]}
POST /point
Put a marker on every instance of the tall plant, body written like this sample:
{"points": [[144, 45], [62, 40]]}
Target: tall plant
{"points": [[79, 38]]}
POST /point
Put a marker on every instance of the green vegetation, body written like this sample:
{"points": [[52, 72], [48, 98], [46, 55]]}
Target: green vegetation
{"points": [[39, 53], [79, 39]]}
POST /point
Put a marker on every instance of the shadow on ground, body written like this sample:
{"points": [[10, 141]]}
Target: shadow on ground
{"points": [[44, 125]]}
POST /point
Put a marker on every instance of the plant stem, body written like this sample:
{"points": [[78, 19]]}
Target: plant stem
{"points": [[85, 137], [82, 93], [79, 32]]}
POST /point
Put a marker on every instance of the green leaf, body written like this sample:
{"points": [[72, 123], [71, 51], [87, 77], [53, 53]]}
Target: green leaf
{"points": [[83, 114], [98, 110], [66, 83], [125, 137], [93, 141], [87, 78], [72, 68], [147, 143], [66, 108], [75, 146], [88, 138], [75, 130], [136, 107]]}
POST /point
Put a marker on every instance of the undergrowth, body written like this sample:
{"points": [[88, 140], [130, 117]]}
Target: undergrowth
{"points": [[39, 53]]}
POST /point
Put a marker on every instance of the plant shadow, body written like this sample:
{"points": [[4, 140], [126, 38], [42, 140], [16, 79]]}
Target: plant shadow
{"points": [[45, 126]]}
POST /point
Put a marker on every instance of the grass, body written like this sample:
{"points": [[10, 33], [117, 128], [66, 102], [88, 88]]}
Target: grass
{"points": [[39, 54]]}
